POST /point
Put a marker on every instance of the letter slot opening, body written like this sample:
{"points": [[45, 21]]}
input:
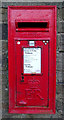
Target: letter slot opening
{"points": [[32, 26]]}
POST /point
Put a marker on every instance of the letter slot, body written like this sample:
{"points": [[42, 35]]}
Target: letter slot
{"points": [[32, 26]]}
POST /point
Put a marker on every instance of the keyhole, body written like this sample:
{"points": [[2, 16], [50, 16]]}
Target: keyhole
{"points": [[22, 79]]}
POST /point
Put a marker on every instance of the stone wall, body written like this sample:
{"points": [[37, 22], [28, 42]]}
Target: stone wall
{"points": [[59, 61]]}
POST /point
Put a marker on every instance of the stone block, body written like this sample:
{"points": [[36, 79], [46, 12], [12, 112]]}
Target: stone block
{"points": [[4, 31], [59, 61], [4, 61], [63, 13], [63, 61], [4, 92], [59, 96], [59, 76], [4, 45], [4, 15], [0, 15], [0, 31], [63, 77], [29, 2], [59, 27], [60, 42], [0, 51], [0, 45], [5, 78], [62, 27], [59, 14]]}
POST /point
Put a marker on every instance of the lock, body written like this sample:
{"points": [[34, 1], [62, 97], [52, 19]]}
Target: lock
{"points": [[22, 80]]}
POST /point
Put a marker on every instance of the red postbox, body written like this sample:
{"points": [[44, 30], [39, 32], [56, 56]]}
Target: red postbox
{"points": [[32, 59]]}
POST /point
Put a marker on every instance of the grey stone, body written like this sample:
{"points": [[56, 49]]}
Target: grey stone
{"points": [[0, 4], [0, 15], [4, 15], [0, 59], [0, 31], [59, 27], [63, 13], [4, 61], [59, 76], [63, 77], [63, 4], [4, 45], [62, 27], [59, 14], [63, 62], [59, 61], [5, 78], [6, 4], [62, 35], [60, 43], [4, 31], [0, 52]]}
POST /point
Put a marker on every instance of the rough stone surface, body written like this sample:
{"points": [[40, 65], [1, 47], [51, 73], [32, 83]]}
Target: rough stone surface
{"points": [[5, 31], [0, 14], [59, 76], [4, 13], [59, 62], [60, 43], [63, 13], [59, 27], [59, 14], [0, 31], [6, 4], [62, 27], [62, 63]]}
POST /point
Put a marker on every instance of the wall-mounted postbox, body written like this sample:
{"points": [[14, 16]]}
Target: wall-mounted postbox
{"points": [[32, 59]]}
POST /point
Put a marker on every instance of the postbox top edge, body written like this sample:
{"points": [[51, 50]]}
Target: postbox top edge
{"points": [[34, 7]]}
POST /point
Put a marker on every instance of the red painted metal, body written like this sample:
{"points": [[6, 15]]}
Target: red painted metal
{"points": [[32, 93]]}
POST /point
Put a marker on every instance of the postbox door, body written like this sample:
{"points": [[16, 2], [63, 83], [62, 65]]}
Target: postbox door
{"points": [[32, 73]]}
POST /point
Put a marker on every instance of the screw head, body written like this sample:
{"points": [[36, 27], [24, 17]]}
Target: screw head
{"points": [[18, 42], [47, 41], [43, 41]]}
